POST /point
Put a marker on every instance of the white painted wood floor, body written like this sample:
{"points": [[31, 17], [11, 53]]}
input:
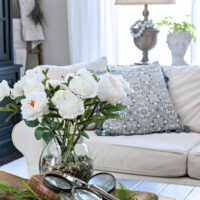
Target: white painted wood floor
{"points": [[17, 167]]}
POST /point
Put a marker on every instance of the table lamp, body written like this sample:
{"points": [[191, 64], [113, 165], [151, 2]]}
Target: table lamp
{"points": [[144, 33]]}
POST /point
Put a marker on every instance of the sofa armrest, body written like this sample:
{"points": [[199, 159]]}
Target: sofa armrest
{"points": [[24, 140]]}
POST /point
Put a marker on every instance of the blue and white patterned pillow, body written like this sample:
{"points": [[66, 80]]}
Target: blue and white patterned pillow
{"points": [[149, 106]]}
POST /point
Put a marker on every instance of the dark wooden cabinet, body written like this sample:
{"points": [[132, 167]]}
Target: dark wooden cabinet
{"points": [[11, 73]]}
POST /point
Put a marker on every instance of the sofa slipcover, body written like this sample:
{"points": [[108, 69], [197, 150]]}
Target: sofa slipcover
{"points": [[59, 72], [163, 155], [184, 89], [158, 155], [194, 163]]}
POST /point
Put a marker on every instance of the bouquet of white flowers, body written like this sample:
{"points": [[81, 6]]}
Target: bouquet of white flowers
{"points": [[64, 109]]}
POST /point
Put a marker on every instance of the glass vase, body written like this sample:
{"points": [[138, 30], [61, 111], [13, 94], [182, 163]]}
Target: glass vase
{"points": [[79, 165]]}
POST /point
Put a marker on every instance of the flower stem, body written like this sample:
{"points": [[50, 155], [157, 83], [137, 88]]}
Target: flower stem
{"points": [[85, 126]]}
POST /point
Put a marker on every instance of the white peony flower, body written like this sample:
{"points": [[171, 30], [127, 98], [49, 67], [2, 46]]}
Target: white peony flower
{"points": [[35, 105], [4, 90], [17, 90], [83, 72], [111, 88], [125, 84], [31, 85], [84, 84], [53, 83], [59, 97], [70, 106], [35, 74]]}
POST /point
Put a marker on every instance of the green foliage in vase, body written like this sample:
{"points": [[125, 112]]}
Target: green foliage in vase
{"points": [[124, 194], [177, 26], [18, 194]]}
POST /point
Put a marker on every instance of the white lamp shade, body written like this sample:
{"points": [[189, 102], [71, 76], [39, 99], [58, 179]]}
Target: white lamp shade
{"points": [[142, 2]]}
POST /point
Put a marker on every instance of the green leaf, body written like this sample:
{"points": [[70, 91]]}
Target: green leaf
{"points": [[68, 81], [32, 124], [87, 113], [46, 121], [111, 115], [96, 78], [124, 194], [112, 108], [121, 186], [39, 131], [83, 133], [175, 26], [86, 122], [5, 109], [55, 125], [60, 125], [18, 99], [52, 115], [57, 88], [89, 102], [47, 137], [51, 87], [107, 68], [11, 107], [48, 92], [99, 121], [45, 71], [17, 193]]}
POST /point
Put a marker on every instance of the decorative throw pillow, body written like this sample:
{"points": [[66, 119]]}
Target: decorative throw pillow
{"points": [[149, 107]]}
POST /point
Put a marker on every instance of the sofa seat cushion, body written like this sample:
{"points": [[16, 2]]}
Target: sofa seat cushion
{"points": [[194, 163], [153, 155]]}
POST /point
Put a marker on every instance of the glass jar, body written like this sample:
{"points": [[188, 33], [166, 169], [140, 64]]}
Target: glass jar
{"points": [[79, 165]]}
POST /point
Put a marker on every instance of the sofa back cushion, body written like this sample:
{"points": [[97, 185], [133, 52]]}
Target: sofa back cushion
{"points": [[184, 89], [58, 72]]}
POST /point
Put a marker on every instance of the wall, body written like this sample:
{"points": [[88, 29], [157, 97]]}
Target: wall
{"points": [[55, 46], [56, 43]]}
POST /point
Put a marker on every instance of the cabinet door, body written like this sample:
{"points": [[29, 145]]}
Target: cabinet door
{"points": [[5, 32], [1, 9], [6, 146]]}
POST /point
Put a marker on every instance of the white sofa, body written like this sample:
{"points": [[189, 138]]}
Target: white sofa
{"points": [[168, 157]]}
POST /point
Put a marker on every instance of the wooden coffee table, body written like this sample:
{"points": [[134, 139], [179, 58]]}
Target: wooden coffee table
{"points": [[178, 192]]}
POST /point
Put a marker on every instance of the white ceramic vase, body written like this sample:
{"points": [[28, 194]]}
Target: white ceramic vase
{"points": [[178, 43]]}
